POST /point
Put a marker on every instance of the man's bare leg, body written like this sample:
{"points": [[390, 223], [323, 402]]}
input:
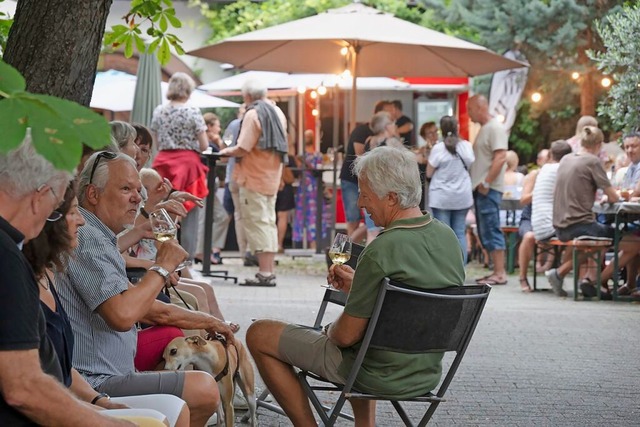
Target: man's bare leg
{"points": [[499, 272], [263, 337], [266, 261], [364, 411]]}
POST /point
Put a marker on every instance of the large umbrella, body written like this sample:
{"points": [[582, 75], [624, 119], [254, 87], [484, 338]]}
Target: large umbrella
{"points": [[361, 39], [277, 80], [114, 91], [148, 94]]}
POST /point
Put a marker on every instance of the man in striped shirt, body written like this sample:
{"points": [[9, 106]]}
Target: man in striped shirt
{"points": [[104, 307]]}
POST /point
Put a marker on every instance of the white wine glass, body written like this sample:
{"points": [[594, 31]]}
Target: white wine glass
{"points": [[340, 251], [164, 228]]}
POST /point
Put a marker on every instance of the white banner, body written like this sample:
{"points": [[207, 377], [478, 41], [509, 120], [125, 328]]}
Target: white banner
{"points": [[506, 89]]}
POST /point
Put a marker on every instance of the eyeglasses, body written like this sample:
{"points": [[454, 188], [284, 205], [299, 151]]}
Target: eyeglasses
{"points": [[55, 215], [107, 155]]}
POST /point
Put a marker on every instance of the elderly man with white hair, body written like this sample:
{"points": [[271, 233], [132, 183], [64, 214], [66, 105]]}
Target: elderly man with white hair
{"points": [[262, 148], [31, 391], [413, 248]]}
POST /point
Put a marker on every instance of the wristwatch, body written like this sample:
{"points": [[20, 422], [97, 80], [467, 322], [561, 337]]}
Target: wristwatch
{"points": [[485, 184], [161, 271]]}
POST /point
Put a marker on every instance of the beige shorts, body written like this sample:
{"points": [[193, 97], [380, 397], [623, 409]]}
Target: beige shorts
{"points": [[310, 350], [259, 215]]}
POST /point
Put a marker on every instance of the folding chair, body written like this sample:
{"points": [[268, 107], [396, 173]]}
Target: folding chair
{"points": [[330, 296], [410, 320]]}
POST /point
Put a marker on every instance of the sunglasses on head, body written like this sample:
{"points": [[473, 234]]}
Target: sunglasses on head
{"points": [[102, 154]]}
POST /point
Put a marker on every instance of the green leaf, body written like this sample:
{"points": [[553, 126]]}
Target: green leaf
{"points": [[91, 128], [13, 122], [153, 46], [128, 47], [139, 43], [164, 53], [175, 22], [52, 136], [178, 49], [10, 79], [168, 3], [163, 24]]}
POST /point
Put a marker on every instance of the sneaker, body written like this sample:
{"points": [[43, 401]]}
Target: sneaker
{"points": [[556, 282], [261, 280], [588, 289]]}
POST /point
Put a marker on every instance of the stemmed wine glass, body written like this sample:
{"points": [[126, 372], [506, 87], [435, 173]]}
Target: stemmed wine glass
{"points": [[164, 228], [340, 251]]}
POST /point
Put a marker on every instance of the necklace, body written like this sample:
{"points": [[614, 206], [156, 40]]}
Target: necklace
{"points": [[46, 283]]}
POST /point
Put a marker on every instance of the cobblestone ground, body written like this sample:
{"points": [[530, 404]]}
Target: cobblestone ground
{"points": [[535, 359]]}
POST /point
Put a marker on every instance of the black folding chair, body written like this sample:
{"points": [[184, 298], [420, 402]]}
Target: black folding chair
{"points": [[331, 296], [410, 320]]}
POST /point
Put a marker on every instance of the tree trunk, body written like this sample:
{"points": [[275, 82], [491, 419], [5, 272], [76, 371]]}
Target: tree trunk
{"points": [[55, 44], [587, 89]]}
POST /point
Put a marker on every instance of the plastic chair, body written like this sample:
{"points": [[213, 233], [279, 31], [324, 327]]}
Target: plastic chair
{"points": [[410, 320]]}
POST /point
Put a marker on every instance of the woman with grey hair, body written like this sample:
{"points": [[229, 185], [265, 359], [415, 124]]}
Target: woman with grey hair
{"points": [[124, 136], [180, 132]]}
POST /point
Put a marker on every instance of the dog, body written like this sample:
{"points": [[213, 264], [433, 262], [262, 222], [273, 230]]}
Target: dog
{"points": [[229, 364]]}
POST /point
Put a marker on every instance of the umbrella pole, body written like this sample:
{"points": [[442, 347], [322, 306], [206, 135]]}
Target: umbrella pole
{"points": [[354, 85]]}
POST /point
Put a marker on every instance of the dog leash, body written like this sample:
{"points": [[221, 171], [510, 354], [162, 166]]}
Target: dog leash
{"points": [[225, 370], [166, 292]]}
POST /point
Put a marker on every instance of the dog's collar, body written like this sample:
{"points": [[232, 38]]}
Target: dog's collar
{"points": [[223, 340]]}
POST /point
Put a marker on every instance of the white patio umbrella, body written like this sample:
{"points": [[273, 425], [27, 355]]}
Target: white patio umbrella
{"points": [[366, 41], [276, 80], [114, 91]]}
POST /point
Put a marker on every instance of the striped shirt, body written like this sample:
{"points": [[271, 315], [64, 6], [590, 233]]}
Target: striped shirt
{"points": [[542, 202], [96, 272]]}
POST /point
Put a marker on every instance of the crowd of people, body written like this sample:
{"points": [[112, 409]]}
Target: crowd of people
{"points": [[86, 330]]}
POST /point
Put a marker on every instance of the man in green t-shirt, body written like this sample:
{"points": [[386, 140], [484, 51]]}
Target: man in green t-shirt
{"points": [[414, 249]]}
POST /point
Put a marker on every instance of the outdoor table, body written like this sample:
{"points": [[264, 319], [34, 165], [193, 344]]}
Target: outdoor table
{"points": [[210, 160], [623, 213], [511, 206]]}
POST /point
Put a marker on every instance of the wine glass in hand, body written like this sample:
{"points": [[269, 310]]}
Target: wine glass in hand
{"points": [[164, 228], [340, 251]]}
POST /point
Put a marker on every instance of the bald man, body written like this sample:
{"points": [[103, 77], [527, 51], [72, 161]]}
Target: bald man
{"points": [[487, 175]]}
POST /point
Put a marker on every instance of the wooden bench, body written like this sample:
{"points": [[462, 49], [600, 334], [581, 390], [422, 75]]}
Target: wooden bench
{"points": [[511, 238], [592, 247]]}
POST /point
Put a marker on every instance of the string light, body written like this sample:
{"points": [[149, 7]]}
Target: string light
{"points": [[322, 90], [606, 82], [501, 118], [346, 74], [344, 51], [302, 89], [575, 75], [536, 97], [314, 112], [313, 94]]}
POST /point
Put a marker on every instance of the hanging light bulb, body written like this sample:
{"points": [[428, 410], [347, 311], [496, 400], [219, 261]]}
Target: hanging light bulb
{"points": [[302, 89], [501, 118], [314, 112], [344, 51], [313, 94], [322, 90], [605, 82], [346, 74], [536, 97], [575, 75]]}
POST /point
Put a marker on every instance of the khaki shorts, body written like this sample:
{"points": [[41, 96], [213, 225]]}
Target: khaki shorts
{"points": [[310, 350], [259, 215]]}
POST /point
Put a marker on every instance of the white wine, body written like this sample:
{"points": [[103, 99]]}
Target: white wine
{"points": [[163, 236], [339, 258]]}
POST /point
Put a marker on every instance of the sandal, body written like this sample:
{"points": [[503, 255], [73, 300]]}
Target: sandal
{"points": [[524, 285], [625, 290], [491, 281]]}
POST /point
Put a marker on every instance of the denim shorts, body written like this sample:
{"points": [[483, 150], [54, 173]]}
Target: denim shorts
{"points": [[350, 200], [488, 220], [594, 229]]}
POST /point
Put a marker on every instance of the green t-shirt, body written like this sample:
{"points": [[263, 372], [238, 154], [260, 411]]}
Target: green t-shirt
{"points": [[420, 252]]}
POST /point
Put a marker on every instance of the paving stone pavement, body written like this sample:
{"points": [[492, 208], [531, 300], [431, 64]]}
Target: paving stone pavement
{"points": [[535, 359]]}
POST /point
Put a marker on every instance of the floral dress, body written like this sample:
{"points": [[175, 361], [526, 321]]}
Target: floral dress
{"points": [[306, 203]]}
